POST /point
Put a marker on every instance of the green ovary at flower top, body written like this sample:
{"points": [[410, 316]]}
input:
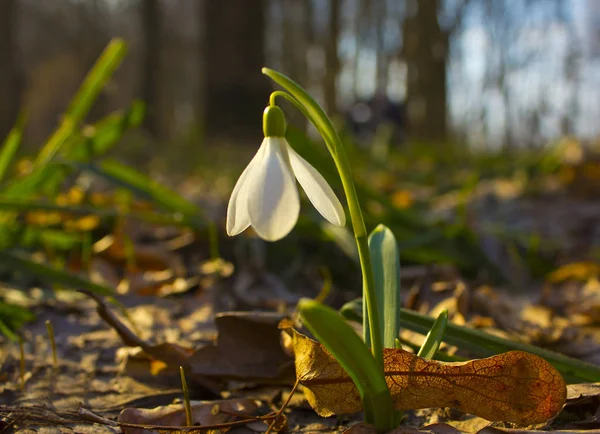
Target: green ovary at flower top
{"points": [[266, 197]]}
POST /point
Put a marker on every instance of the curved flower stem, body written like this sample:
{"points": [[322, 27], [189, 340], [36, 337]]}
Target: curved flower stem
{"points": [[303, 110], [317, 116]]}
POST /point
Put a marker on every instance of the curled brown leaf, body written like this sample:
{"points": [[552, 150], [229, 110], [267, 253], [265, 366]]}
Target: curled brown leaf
{"points": [[514, 387]]}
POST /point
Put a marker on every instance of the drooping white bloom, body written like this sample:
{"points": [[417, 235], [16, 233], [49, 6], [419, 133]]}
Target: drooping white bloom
{"points": [[266, 197]]}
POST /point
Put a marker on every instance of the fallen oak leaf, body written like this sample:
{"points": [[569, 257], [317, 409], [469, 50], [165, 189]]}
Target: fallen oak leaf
{"points": [[516, 387], [247, 349]]}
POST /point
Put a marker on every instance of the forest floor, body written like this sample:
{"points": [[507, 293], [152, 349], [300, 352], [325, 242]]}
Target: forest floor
{"points": [[218, 319]]}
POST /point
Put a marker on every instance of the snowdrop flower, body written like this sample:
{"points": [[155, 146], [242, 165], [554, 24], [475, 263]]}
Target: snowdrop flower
{"points": [[266, 197]]}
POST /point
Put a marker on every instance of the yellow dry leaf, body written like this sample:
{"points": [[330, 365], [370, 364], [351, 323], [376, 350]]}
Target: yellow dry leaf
{"points": [[82, 224], [579, 271], [514, 387], [403, 199]]}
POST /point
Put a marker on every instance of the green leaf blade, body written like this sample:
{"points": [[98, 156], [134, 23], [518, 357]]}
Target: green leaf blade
{"points": [[94, 82], [356, 359], [386, 270], [11, 145], [434, 337], [52, 274]]}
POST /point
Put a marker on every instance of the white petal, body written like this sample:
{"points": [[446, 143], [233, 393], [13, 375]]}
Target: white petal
{"points": [[273, 202], [318, 191], [238, 218]]}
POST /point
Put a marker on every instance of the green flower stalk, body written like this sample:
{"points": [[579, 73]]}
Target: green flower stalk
{"points": [[313, 111], [265, 197]]}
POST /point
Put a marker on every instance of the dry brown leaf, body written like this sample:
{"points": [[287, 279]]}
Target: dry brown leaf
{"points": [[436, 428], [575, 392], [579, 271], [513, 387], [439, 428], [247, 349], [204, 413], [172, 354]]}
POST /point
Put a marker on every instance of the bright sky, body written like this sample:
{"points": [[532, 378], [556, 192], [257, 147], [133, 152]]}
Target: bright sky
{"points": [[538, 81]]}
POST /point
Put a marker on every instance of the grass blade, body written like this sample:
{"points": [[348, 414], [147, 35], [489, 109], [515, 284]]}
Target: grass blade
{"points": [[26, 205], [7, 331], [12, 317], [148, 189], [356, 359], [100, 138], [434, 337], [52, 274], [91, 87], [484, 344], [10, 146]]}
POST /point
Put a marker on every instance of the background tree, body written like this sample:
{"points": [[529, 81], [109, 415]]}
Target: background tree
{"points": [[332, 61], [236, 92], [151, 63], [425, 52], [498, 72], [10, 77]]}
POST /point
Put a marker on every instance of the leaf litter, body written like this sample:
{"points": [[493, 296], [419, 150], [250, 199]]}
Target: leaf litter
{"points": [[514, 387], [236, 358]]}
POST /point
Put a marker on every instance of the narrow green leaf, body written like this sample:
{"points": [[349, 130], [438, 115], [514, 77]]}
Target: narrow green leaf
{"points": [[146, 188], [56, 239], [91, 87], [440, 355], [15, 313], [353, 310], [386, 270], [356, 359], [7, 331], [96, 140], [54, 275], [26, 205], [434, 337], [10, 146], [484, 344], [26, 186], [80, 146]]}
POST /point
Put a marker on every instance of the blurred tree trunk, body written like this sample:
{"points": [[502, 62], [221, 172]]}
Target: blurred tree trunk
{"points": [[360, 29], [332, 62], [425, 51], [296, 33], [10, 78], [150, 79], [379, 12], [92, 38], [289, 57], [236, 92]]}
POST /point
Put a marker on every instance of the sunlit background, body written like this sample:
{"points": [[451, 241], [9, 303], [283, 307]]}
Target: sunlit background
{"points": [[489, 73], [471, 127]]}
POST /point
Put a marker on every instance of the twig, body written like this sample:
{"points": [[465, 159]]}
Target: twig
{"points": [[186, 398], [86, 414], [277, 416], [22, 363], [52, 344]]}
